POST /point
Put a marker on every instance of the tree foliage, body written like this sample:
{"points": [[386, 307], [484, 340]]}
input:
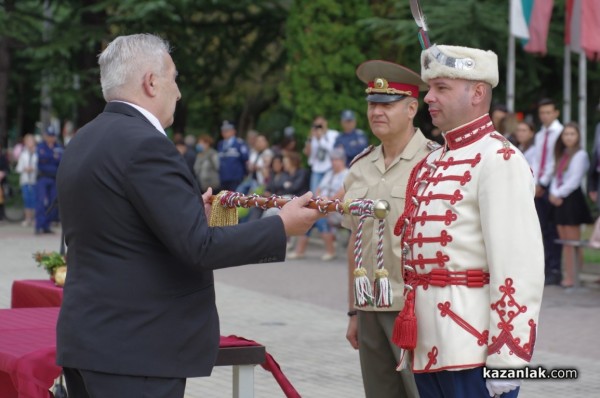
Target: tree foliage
{"points": [[265, 63], [324, 45]]}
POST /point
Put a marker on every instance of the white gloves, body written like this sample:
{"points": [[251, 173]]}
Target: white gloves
{"points": [[497, 387]]}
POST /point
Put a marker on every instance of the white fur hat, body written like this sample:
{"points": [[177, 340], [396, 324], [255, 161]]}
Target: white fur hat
{"points": [[459, 63]]}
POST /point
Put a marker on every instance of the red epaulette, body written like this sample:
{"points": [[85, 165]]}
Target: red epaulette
{"points": [[361, 155], [506, 149]]}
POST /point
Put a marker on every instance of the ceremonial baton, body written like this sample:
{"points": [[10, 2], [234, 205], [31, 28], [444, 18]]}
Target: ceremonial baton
{"points": [[225, 203]]}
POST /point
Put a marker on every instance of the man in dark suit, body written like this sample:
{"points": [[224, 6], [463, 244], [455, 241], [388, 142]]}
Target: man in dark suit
{"points": [[139, 313]]}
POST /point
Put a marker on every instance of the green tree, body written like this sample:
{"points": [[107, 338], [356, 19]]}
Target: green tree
{"points": [[324, 45], [484, 24]]}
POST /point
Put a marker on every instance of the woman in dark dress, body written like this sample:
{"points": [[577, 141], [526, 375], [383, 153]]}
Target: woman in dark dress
{"points": [[570, 207]]}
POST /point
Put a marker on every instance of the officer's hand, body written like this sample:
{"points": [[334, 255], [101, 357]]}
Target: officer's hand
{"points": [[297, 219], [352, 332], [207, 202], [497, 387], [593, 195]]}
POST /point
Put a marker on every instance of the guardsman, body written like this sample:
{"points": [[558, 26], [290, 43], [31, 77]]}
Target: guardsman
{"points": [[353, 140], [473, 256], [49, 153], [233, 155], [381, 172]]}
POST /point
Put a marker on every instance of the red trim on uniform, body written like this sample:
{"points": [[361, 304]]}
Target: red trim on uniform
{"points": [[508, 309], [453, 198], [451, 162], [409, 88], [482, 338], [506, 150], [469, 133], [470, 366], [432, 355], [466, 177], [447, 218]]}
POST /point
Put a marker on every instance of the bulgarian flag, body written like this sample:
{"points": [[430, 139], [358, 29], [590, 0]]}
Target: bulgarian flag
{"points": [[582, 27], [529, 21]]}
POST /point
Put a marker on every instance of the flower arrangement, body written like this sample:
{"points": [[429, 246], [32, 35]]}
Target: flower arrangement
{"points": [[54, 263]]}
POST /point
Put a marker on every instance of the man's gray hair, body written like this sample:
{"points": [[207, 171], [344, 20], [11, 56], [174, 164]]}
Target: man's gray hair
{"points": [[127, 58]]}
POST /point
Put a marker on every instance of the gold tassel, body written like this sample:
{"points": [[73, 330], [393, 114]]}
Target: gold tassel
{"points": [[222, 216]]}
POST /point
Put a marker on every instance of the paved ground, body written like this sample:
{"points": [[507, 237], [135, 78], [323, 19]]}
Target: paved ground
{"points": [[297, 310]]}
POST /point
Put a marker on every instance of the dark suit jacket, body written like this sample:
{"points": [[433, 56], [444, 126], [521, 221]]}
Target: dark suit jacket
{"points": [[139, 297]]}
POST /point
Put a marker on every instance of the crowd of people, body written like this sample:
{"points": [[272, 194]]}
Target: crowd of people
{"points": [[37, 164], [249, 165], [558, 158]]}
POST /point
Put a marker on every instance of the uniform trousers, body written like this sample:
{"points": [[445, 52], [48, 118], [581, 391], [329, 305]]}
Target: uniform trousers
{"points": [[467, 383], [379, 357], [89, 384], [45, 196]]}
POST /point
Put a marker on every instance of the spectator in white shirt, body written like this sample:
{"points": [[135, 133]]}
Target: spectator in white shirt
{"points": [[27, 169], [318, 150]]}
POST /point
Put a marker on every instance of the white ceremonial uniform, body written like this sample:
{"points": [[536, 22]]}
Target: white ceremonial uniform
{"points": [[472, 237]]}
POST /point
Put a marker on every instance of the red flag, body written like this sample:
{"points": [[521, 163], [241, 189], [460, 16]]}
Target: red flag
{"points": [[590, 28], [538, 26], [582, 27]]}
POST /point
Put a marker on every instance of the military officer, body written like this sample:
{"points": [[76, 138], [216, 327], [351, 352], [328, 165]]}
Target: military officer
{"points": [[49, 153], [474, 278], [381, 172], [352, 139], [233, 155]]}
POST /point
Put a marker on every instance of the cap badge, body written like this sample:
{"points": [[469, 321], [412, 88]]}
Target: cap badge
{"points": [[456, 63], [380, 83]]}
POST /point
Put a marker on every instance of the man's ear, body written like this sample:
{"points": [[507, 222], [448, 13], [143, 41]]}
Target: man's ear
{"points": [[149, 84], [412, 108], [480, 91]]}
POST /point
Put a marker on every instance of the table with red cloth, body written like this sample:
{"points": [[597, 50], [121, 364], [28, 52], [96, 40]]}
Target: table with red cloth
{"points": [[28, 350], [36, 293]]}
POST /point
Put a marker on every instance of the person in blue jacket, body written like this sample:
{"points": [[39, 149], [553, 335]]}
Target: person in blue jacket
{"points": [[352, 140], [233, 155], [49, 153]]}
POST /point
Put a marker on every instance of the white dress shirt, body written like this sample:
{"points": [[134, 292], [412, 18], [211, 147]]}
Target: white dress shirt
{"points": [[572, 177], [543, 177]]}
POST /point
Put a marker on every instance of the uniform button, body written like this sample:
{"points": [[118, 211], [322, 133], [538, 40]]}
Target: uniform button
{"points": [[383, 179]]}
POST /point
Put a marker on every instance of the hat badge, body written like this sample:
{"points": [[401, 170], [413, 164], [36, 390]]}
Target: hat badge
{"points": [[380, 83]]}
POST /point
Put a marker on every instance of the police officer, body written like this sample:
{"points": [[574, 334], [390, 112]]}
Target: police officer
{"points": [[49, 153], [381, 172], [233, 155], [352, 140]]}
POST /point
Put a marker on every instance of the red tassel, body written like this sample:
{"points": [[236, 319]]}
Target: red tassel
{"points": [[405, 326]]}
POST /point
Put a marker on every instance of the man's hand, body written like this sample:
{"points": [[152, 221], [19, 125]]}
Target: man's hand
{"points": [[207, 203], [352, 332], [497, 387], [593, 195], [297, 219]]}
